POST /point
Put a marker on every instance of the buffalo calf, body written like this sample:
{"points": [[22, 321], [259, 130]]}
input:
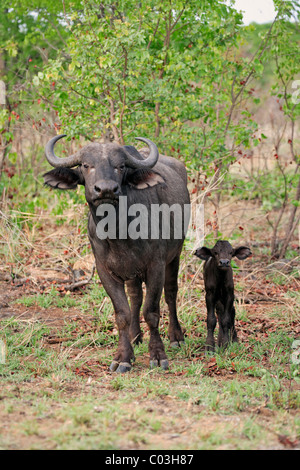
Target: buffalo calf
{"points": [[219, 290]]}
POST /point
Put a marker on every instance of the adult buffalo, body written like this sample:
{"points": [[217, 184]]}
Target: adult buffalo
{"points": [[112, 173]]}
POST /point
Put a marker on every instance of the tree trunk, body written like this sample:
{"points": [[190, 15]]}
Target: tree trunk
{"points": [[292, 224]]}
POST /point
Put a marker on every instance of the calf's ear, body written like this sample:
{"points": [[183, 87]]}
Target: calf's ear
{"points": [[63, 178], [242, 252], [203, 253]]}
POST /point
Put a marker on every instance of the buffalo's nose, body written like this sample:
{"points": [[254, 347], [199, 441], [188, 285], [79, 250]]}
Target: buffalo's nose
{"points": [[224, 262], [106, 187]]}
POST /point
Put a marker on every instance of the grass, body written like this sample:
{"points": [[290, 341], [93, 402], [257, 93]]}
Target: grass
{"points": [[245, 397], [265, 342], [153, 410]]}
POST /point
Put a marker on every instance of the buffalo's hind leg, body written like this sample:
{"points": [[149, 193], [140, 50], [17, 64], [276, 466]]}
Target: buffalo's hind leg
{"points": [[171, 288], [154, 285], [135, 292]]}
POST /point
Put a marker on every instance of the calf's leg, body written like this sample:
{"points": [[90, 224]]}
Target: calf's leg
{"points": [[226, 320], [220, 314], [233, 333], [211, 319]]}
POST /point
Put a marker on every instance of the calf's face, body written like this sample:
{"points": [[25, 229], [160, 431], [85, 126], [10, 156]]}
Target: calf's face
{"points": [[223, 252]]}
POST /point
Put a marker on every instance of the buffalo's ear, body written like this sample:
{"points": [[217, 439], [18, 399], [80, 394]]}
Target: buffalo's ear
{"points": [[242, 252], [203, 253], [142, 179], [63, 178]]}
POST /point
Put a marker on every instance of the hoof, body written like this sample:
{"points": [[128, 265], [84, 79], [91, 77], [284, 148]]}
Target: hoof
{"points": [[123, 367], [120, 367], [164, 364], [153, 363], [114, 365], [176, 344], [209, 350]]}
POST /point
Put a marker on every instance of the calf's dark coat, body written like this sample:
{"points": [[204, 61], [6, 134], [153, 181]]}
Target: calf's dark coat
{"points": [[219, 290]]}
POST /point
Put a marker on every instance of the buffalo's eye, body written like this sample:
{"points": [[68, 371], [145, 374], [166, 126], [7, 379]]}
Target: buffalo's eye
{"points": [[119, 168], [85, 165]]}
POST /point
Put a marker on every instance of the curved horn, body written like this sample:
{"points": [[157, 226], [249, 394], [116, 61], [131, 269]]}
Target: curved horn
{"points": [[67, 162], [148, 162]]}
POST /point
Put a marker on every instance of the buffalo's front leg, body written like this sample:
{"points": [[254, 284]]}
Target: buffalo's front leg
{"points": [[154, 285], [116, 291], [135, 291]]}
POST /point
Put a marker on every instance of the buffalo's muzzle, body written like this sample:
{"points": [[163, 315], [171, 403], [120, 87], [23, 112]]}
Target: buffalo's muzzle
{"points": [[106, 191], [224, 263]]}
